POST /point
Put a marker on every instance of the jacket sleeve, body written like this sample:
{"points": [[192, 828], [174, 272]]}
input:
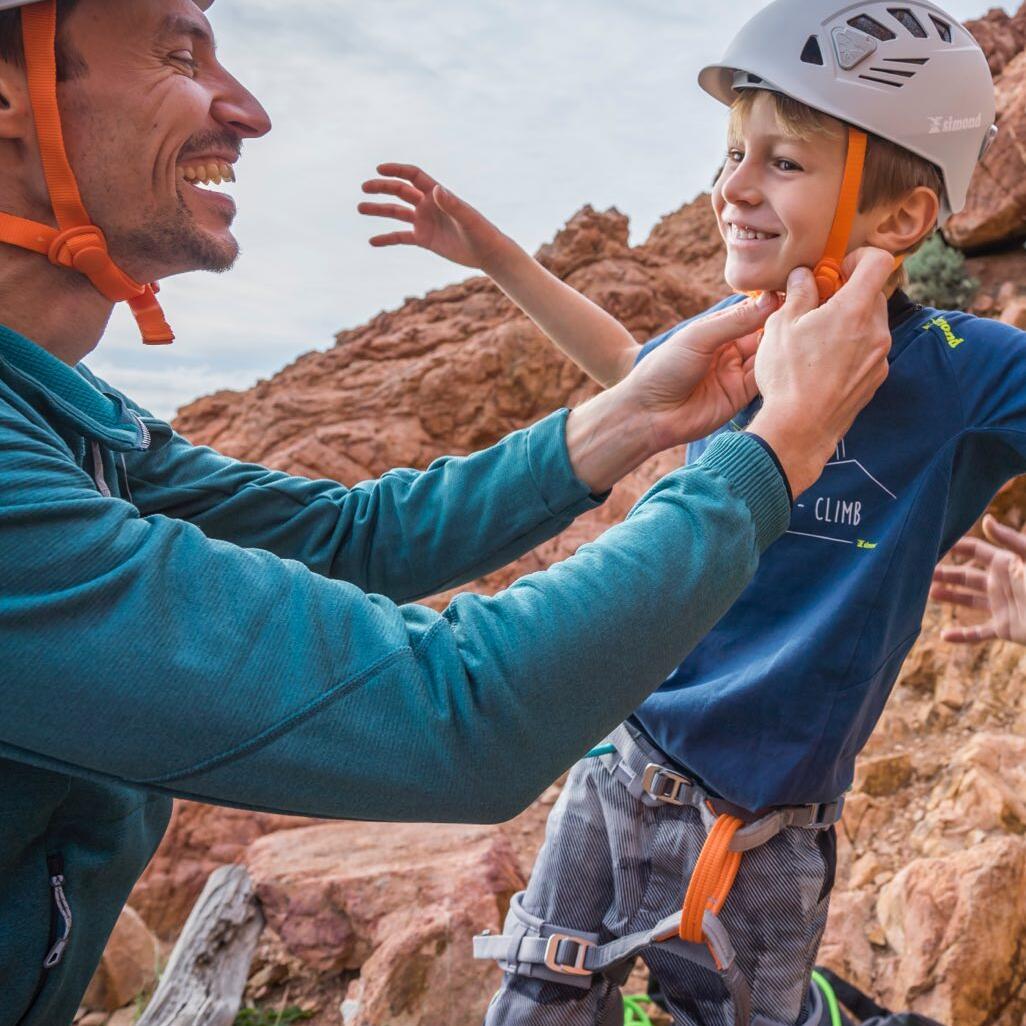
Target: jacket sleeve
{"points": [[462, 516], [138, 649]]}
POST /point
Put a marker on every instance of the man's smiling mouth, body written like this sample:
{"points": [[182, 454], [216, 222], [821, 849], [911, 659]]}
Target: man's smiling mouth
{"points": [[205, 173]]}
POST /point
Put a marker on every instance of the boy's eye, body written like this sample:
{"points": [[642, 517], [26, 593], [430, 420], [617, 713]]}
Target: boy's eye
{"points": [[735, 156], [787, 165]]}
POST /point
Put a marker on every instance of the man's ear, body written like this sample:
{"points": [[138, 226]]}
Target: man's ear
{"points": [[899, 226], [15, 106]]}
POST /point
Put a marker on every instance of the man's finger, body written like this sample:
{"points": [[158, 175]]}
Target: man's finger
{"points": [[872, 268], [970, 635], [1005, 536], [975, 549], [727, 325], [802, 293]]}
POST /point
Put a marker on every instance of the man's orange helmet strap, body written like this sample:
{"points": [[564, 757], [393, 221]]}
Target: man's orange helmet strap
{"points": [[76, 243]]}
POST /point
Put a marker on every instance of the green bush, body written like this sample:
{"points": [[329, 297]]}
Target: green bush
{"points": [[937, 276], [267, 1017]]}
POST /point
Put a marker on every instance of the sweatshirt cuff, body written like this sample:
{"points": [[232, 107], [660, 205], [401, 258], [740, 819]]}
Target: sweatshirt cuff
{"points": [[753, 475], [563, 493]]}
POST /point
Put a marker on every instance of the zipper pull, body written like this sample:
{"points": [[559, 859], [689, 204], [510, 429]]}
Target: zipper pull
{"points": [[55, 866]]}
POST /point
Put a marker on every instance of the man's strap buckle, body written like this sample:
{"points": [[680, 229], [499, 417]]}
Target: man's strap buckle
{"points": [[664, 785], [574, 968]]}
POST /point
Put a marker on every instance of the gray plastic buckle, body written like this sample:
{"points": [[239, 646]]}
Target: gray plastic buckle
{"points": [[576, 968], [663, 785]]}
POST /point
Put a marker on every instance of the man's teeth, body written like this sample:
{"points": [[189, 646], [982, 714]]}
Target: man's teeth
{"points": [[211, 173], [738, 232]]}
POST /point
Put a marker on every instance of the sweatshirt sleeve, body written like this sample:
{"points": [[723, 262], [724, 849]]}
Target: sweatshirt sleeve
{"points": [[138, 649], [406, 535]]}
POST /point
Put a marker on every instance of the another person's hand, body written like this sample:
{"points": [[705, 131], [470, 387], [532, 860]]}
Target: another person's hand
{"points": [[818, 366], [996, 586], [441, 222]]}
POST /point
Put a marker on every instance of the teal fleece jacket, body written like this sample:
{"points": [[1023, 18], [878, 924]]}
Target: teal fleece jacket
{"points": [[176, 623]]}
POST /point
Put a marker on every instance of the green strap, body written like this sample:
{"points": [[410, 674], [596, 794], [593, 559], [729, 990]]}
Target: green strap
{"points": [[831, 998], [634, 1013]]}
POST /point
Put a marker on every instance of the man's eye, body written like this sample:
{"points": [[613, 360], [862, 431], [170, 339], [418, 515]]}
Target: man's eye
{"points": [[185, 57]]}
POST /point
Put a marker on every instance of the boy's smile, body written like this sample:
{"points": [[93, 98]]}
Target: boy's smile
{"points": [[775, 199]]}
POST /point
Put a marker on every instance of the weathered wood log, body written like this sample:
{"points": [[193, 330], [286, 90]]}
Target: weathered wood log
{"points": [[204, 980]]}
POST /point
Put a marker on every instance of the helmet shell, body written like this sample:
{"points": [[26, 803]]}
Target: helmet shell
{"points": [[904, 70]]}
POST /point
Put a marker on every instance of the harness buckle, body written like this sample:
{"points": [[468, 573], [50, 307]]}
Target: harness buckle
{"points": [[664, 785], [575, 968]]}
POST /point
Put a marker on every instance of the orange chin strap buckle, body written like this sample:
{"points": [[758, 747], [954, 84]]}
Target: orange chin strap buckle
{"points": [[76, 243]]}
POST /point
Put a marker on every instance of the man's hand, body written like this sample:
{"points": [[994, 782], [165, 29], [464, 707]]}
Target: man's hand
{"points": [[691, 385], [442, 223], [818, 366], [996, 585]]}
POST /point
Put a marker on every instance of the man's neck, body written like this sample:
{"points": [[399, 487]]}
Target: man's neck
{"points": [[55, 308]]}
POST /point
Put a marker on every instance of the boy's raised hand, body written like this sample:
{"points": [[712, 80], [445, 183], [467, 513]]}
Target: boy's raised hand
{"points": [[996, 586], [441, 222]]}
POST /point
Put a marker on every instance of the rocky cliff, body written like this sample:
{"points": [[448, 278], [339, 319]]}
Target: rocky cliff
{"points": [[372, 922]]}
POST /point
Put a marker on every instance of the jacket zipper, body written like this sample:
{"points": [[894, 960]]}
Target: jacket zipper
{"points": [[59, 906], [55, 866]]}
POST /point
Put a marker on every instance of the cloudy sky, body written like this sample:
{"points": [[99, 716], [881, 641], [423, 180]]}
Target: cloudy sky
{"points": [[528, 110]]}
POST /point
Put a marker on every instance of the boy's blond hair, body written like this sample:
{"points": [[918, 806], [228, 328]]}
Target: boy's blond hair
{"points": [[890, 172]]}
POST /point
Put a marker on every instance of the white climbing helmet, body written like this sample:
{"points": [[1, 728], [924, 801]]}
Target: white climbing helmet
{"points": [[904, 70]]}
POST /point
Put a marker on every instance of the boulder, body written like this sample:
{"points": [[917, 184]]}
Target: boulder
{"points": [[396, 904], [128, 967]]}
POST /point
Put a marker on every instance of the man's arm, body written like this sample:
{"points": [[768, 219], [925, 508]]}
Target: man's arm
{"points": [[141, 650]]}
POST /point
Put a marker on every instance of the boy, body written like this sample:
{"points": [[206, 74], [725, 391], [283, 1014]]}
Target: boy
{"points": [[727, 782]]}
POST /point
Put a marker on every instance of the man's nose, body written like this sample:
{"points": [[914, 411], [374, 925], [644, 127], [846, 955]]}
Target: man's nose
{"points": [[241, 111]]}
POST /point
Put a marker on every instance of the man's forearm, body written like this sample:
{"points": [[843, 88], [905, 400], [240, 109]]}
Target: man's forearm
{"points": [[607, 437]]}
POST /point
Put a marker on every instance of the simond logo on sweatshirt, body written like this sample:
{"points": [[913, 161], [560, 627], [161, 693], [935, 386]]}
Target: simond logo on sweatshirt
{"points": [[948, 332], [940, 123]]}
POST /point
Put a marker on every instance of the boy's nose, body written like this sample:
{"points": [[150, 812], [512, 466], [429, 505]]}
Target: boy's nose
{"points": [[739, 186]]}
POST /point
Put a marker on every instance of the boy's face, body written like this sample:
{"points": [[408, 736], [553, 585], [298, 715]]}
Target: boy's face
{"points": [[783, 188]]}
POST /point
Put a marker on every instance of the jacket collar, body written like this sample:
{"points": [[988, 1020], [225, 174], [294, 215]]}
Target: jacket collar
{"points": [[61, 392]]}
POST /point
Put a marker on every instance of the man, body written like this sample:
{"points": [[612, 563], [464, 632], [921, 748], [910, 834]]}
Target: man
{"points": [[175, 623]]}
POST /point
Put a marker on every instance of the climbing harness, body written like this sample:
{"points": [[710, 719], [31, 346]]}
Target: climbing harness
{"points": [[76, 243], [531, 947]]}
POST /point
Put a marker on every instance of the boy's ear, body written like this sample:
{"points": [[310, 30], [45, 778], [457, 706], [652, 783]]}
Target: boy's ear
{"points": [[15, 108], [900, 225]]}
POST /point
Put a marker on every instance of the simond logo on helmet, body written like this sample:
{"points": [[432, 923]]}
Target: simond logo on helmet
{"points": [[940, 123]]}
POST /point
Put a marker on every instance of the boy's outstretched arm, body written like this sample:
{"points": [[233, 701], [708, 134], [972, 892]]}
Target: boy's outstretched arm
{"points": [[444, 224]]}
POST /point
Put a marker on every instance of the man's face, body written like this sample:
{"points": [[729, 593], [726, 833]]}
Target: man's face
{"points": [[151, 116], [785, 190]]}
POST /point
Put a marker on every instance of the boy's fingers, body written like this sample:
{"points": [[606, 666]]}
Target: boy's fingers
{"points": [[392, 210], [962, 576], [970, 635], [954, 597], [802, 294], [401, 190], [1005, 536], [421, 179], [728, 325], [394, 239]]}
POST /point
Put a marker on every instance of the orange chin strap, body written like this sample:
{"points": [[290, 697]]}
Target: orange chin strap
{"points": [[76, 243]]}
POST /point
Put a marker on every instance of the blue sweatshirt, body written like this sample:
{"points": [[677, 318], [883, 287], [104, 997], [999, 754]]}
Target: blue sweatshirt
{"points": [[773, 705], [177, 623]]}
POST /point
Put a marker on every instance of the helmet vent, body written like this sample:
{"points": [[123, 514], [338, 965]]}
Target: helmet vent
{"points": [[907, 60], [883, 81], [894, 71], [864, 23], [812, 54], [908, 21], [943, 28]]}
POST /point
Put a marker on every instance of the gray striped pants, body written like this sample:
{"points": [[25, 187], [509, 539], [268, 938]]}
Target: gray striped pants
{"points": [[611, 865]]}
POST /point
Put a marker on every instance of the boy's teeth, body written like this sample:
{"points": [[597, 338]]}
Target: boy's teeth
{"points": [[748, 233], [214, 173]]}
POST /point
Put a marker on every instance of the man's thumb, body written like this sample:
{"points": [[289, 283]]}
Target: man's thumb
{"points": [[731, 323], [802, 293]]}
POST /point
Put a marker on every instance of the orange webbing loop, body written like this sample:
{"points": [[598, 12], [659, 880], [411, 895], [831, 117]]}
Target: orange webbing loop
{"points": [[76, 243], [828, 270], [712, 878]]}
